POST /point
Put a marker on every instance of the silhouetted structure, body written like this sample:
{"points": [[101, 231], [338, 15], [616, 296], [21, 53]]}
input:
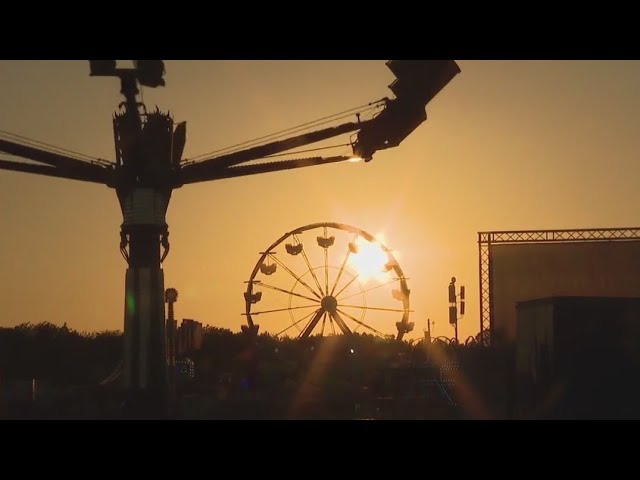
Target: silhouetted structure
{"points": [[329, 304], [578, 358], [189, 337], [149, 166], [171, 297], [181, 342], [324, 377], [456, 315], [517, 266]]}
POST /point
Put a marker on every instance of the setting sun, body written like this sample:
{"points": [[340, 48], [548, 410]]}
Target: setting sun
{"points": [[369, 260]]}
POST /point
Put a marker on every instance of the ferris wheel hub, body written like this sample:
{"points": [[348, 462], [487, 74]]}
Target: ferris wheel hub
{"points": [[329, 304]]}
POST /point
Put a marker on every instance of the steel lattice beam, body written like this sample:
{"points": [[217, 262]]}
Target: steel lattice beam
{"points": [[98, 175], [188, 177], [49, 158]]}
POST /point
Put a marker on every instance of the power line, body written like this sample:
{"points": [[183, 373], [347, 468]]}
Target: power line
{"points": [[296, 129], [305, 151]]}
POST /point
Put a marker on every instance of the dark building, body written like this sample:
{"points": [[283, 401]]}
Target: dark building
{"points": [[578, 357], [189, 337]]}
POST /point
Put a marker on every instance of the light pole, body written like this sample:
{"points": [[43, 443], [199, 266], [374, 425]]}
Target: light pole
{"points": [[453, 305]]}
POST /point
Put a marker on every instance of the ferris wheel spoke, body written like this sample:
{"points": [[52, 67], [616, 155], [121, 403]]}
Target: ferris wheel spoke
{"points": [[295, 323], [302, 282], [379, 309], [333, 327], [344, 263], [306, 326], [340, 322], [346, 286], [306, 260], [326, 266], [312, 324], [361, 323], [284, 309], [368, 289], [288, 292], [324, 320]]}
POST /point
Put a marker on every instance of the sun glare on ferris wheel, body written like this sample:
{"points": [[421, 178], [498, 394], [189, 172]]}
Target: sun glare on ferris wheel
{"points": [[369, 261]]}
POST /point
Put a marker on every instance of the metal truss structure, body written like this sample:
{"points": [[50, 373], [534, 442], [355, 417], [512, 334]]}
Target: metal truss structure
{"points": [[487, 239]]}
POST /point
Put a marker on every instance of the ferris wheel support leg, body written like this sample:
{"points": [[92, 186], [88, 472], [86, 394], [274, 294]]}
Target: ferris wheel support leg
{"points": [[251, 334], [251, 330], [404, 327]]}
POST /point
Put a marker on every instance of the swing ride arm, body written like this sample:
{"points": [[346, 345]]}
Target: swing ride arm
{"points": [[417, 83]]}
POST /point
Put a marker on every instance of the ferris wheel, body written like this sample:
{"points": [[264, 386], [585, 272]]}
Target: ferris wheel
{"points": [[328, 279]]}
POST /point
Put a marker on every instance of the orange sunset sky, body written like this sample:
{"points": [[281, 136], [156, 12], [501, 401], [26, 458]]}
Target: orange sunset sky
{"points": [[508, 145]]}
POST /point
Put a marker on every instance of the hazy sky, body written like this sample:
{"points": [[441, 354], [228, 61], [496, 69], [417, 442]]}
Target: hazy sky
{"points": [[508, 145]]}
